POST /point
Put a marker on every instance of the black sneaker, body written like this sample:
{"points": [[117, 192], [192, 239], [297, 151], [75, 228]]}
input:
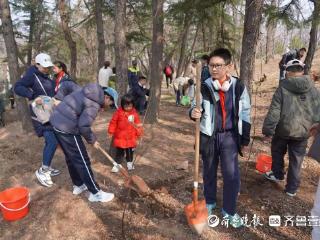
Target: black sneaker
{"points": [[291, 194], [270, 176]]}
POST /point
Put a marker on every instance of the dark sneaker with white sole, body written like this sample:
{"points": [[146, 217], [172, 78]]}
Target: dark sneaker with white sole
{"points": [[291, 194], [270, 176]]}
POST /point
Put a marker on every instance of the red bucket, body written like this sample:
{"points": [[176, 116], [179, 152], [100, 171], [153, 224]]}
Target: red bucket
{"points": [[14, 203], [264, 163]]}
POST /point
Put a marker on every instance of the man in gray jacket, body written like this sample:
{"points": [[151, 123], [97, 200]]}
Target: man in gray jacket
{"points": [[72, 120], [294, 109]]}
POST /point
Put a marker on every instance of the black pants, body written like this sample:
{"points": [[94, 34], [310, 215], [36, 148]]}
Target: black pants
{"points": [[2, 123], [296, 150], [12, 103], [78, 161], [141, 104], [168, 78], [221, 148], [178, 96], [120, 153]]}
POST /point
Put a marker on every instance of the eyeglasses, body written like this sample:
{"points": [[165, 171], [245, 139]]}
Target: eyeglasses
{"points": [[217, 66]]}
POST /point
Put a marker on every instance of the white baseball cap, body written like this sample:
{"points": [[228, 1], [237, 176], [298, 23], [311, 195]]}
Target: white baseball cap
{"points": [[44, 60], [294, 62]]}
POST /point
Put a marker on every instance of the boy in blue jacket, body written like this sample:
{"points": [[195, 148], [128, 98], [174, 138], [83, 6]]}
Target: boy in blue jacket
{"points": [[225, 129]]}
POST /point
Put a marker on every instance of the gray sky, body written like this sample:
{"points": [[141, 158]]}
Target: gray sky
{"points": [[307, 7]]}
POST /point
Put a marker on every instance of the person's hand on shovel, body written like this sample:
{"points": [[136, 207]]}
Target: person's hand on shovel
{"points": [[196, 113], [96, 145], [315, 130], [56, 102]]}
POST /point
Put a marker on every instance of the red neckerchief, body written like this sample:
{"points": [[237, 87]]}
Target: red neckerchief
{"points": [[58, 79], [223, 108]]}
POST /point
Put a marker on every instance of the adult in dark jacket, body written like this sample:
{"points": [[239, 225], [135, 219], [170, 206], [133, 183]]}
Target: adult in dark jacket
{"points": [[205, 73], [289, 56], [34, 83], [72, 120], [133, 74], [62, 76], [294, 109], [64, 85], [139, 93]]}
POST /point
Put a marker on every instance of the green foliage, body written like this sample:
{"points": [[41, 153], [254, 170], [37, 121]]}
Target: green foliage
{"points": [[279, 47], [287, 14], [296, 42]]}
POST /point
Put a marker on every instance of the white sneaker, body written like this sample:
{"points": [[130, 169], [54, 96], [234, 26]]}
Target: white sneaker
{"points": [[44, 177], [115, 169], [130, 166], [79, 189], [101, 196]]}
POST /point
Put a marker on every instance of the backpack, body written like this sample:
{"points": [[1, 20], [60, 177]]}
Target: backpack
{"points": [[43, 111], [168, 71]]}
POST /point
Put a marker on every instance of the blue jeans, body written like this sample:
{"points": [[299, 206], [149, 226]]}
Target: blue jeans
{"points": [[49, 147]]}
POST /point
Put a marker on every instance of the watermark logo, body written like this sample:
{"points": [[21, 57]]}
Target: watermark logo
{"points": [[274, 221], [213, 221]]}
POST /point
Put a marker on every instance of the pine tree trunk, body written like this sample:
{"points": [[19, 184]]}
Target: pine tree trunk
{"points": [[39, 25], [182, 57], [30, 39], [204, 37], [156, 61], [65, 19], [121, 50], [211, 39], [12, 54], [271, 31], [252, 21], [313, 37], [192, 49], [100, 33]]}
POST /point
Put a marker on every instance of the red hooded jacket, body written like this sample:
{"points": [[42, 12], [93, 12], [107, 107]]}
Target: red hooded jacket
{"points": [[125, 133]]}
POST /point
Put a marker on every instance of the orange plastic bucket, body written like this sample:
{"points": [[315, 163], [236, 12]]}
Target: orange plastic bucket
{"points": [[264, 163], [14, 203]]}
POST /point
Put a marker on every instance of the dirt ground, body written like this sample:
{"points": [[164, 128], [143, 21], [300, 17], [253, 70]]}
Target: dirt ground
{"points": [[57, 214]]}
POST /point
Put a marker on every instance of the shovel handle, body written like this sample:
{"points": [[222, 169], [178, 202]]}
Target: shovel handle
{"points": [[197, 143], [122, 170]]}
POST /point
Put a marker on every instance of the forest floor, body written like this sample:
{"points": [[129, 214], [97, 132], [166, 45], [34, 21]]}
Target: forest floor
{"points": [[166, 148]]}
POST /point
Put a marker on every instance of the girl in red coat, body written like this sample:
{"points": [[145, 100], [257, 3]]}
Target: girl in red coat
{"points": [[126, 128]]}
